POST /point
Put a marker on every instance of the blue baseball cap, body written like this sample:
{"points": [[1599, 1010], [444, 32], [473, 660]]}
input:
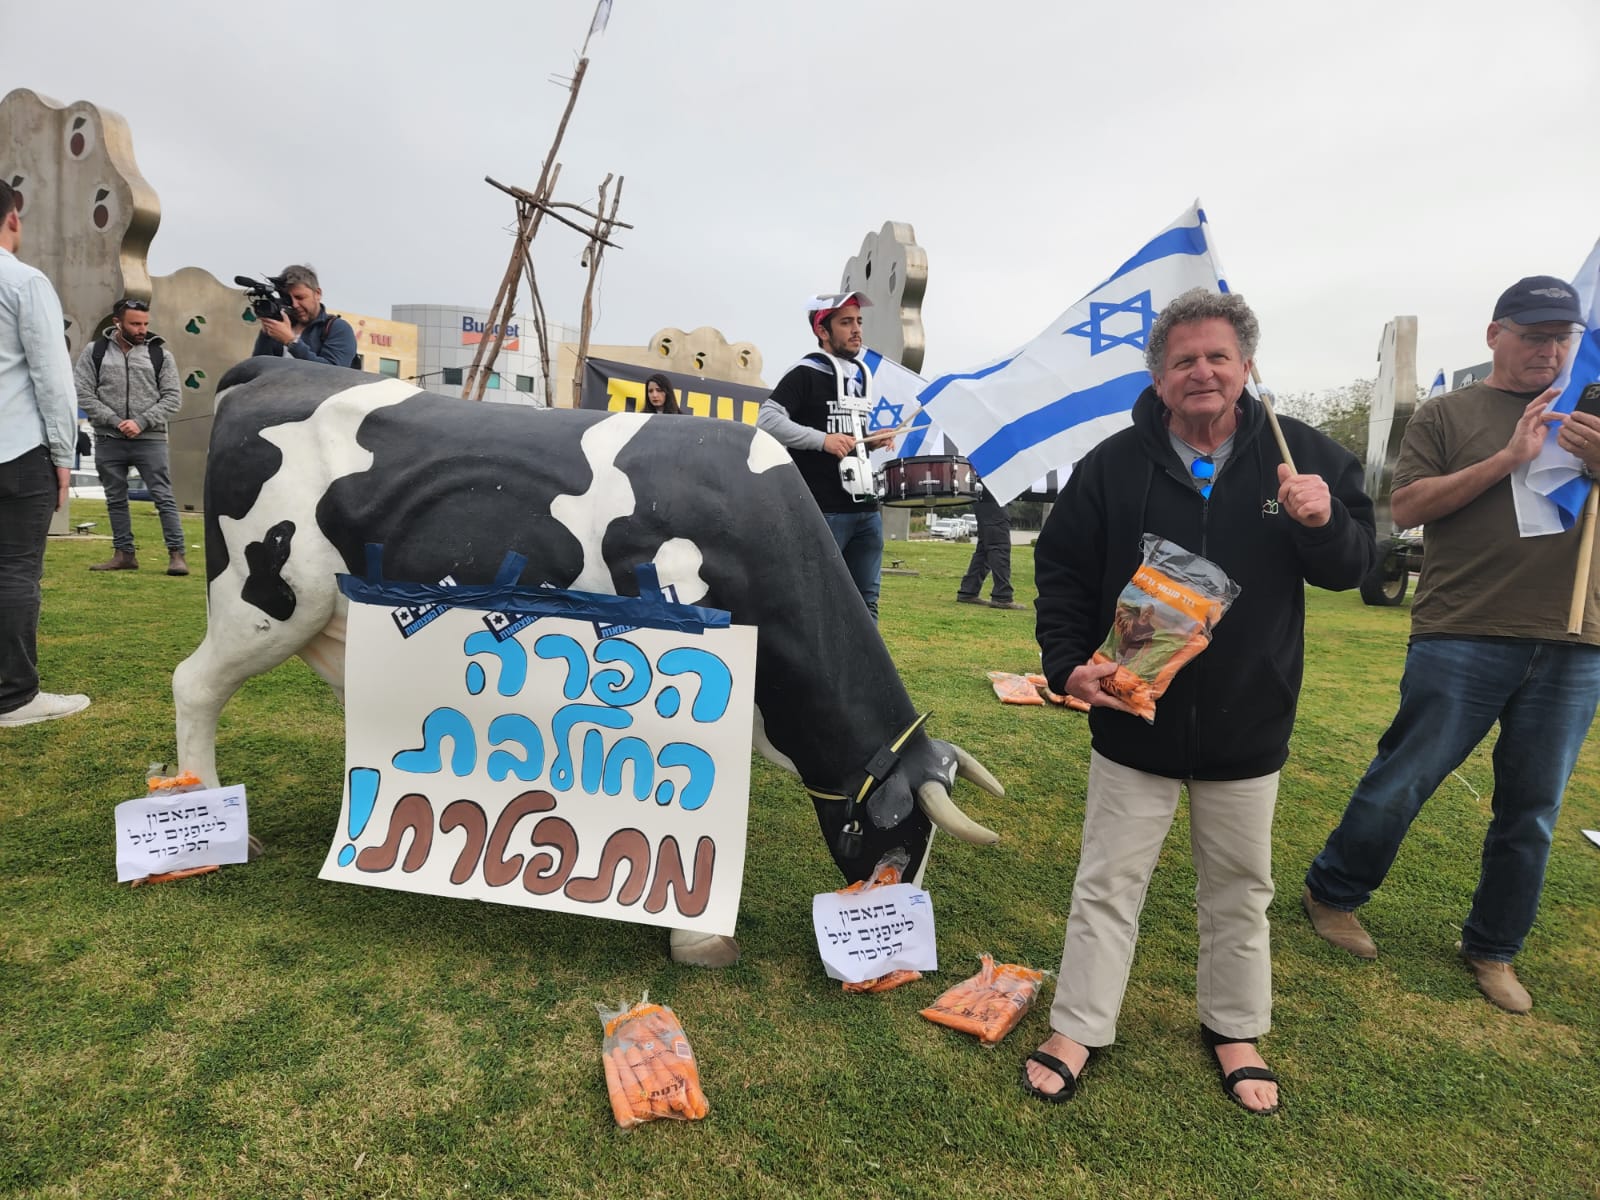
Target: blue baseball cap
{"points": [[1537, 299]]}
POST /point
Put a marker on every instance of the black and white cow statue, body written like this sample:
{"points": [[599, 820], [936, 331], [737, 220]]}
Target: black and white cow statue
{"points": [[307, 467]]}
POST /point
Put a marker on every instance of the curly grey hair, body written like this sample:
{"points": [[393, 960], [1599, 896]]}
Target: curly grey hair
{"points": [[299, 275], [1198, 304]]}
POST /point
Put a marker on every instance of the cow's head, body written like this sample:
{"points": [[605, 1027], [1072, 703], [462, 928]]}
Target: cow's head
{"points": [[896, 800]]}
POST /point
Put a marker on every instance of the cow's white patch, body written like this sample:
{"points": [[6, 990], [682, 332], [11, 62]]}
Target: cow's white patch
{"points": [[610, 495], [677, 566], [766, 452], [316, 451]]}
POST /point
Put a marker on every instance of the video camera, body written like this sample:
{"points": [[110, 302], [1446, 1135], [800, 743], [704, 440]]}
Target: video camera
{"points": [[270, 300]]}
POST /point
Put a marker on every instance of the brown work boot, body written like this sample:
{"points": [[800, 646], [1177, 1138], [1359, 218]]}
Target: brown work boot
{"points": [[1338, 928], [120, 560], [175, 563], [1499, 984]]}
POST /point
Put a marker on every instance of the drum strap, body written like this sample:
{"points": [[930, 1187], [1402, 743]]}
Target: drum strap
{"points": [[845, 372]]}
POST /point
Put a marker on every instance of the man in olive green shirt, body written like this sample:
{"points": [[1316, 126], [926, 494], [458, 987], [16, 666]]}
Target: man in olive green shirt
{"points": [[1488, 644]]}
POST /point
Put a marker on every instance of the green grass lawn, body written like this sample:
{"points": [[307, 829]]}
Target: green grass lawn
{"points": [[258, 1032]]}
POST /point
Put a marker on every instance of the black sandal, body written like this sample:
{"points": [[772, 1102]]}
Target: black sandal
{"points": [[1233, 1079], [1051, 1063]]}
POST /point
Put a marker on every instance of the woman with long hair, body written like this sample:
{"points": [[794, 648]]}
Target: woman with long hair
{"points": [[659, 396]]}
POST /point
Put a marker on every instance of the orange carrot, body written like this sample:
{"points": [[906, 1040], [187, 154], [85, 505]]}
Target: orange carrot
{"points": [[1197, 642], [990, 1004], [621, 1108], [650, 1070]]}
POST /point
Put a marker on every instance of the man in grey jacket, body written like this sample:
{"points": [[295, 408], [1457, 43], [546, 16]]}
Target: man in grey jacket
{"points": [[128, 385]]}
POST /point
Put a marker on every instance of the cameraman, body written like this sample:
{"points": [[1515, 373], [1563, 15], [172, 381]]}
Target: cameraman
{"points": [[306, 330]]}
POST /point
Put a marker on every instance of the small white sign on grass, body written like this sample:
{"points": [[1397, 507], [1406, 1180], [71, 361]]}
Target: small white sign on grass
{"points": [[871, 933], [157, 834]]}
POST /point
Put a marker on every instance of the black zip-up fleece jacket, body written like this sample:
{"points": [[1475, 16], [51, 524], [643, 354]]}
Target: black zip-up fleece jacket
{"points": [[1228, 713]]}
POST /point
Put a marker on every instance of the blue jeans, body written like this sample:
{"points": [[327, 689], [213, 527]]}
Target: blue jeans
{"points": [[1453, 691], [112, 458], [859, 536]]}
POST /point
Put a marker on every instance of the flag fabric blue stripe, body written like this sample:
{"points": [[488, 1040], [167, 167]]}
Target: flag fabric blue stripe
{"points": [[1571, 496], [1113, 396], [939, 384], [919, 431], [1186, 239]]}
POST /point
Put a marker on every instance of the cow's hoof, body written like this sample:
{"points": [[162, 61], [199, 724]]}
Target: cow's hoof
{"points": [[703, 949]]}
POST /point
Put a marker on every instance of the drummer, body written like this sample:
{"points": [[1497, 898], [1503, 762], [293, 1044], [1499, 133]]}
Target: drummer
{"points": [[806, 412]]}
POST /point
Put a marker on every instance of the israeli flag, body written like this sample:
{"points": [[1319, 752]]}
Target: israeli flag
{"points": [[1046, 405], [1550, 491], [1438, 385], [895, 389]]}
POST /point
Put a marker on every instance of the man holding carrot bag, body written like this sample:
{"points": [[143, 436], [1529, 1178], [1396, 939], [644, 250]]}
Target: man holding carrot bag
{"points": [[1200, 470]]}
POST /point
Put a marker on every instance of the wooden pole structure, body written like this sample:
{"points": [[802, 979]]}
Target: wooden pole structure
{"points": [[1580, 580], [1272, 419], [478, 374], [597, 243]]}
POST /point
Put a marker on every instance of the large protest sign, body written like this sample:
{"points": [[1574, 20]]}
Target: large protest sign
{"points": [[619, 387], [182, 830], [550, 752]]}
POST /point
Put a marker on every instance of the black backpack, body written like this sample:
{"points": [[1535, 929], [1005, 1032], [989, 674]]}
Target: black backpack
{"points": [[103, 343]]}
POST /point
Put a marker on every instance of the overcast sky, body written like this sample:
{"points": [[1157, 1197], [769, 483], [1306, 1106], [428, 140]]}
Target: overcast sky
{"points": [[1357, 160]]}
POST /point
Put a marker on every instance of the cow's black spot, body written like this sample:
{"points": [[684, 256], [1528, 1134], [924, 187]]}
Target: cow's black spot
{"points": [[455, 485], [265, 587], [240, 460]]}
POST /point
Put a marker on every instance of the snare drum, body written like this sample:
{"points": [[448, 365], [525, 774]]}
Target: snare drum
{"points": [[929, 481]]}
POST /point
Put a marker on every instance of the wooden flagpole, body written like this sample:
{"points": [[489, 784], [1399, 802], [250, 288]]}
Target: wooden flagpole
{"points": [[1580, 580], [1272, 419]]}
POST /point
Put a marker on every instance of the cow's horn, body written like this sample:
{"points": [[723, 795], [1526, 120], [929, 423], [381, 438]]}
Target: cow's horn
{"points": [[971, 769], [942, 811]]}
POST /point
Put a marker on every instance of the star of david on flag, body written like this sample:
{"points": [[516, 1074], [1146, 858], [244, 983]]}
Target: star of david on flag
{"points": [[1095, 328], [1044, 406], [884, 415]]}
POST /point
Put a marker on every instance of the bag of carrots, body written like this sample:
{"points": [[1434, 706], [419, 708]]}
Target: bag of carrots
{"points": [[650, 1070], [890, 869], [1014, 689], [991, 1003], [1163, 618]]}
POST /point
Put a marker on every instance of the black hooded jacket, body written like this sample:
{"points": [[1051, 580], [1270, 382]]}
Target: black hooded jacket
{"points": [[1228, 713]]}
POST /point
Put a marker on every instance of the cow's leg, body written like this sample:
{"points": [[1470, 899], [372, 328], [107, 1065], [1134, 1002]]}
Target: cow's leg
{"points": [[695, 949], [240, 641]]}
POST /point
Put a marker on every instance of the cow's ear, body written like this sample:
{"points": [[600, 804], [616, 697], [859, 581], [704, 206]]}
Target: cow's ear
{"points": [[892, 801]]}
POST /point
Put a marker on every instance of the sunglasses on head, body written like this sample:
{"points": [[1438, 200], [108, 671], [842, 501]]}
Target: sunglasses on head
{"points": [[1204, 472], [135, 305]]}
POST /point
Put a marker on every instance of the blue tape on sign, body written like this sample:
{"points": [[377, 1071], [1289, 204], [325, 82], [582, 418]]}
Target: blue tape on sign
{"points": [[652, 610]]}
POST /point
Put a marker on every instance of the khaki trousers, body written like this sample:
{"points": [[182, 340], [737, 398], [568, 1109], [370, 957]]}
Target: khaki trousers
{"points": [[1126, 819]]}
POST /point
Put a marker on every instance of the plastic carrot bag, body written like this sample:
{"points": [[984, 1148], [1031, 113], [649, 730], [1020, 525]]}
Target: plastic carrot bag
{"points": [[890, 869], [650, 1069], [1164, 617], [1014, 689], [990, 1004]]}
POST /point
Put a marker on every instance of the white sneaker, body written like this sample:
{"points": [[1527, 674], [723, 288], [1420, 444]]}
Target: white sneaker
{"points": [[46, 706]]}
